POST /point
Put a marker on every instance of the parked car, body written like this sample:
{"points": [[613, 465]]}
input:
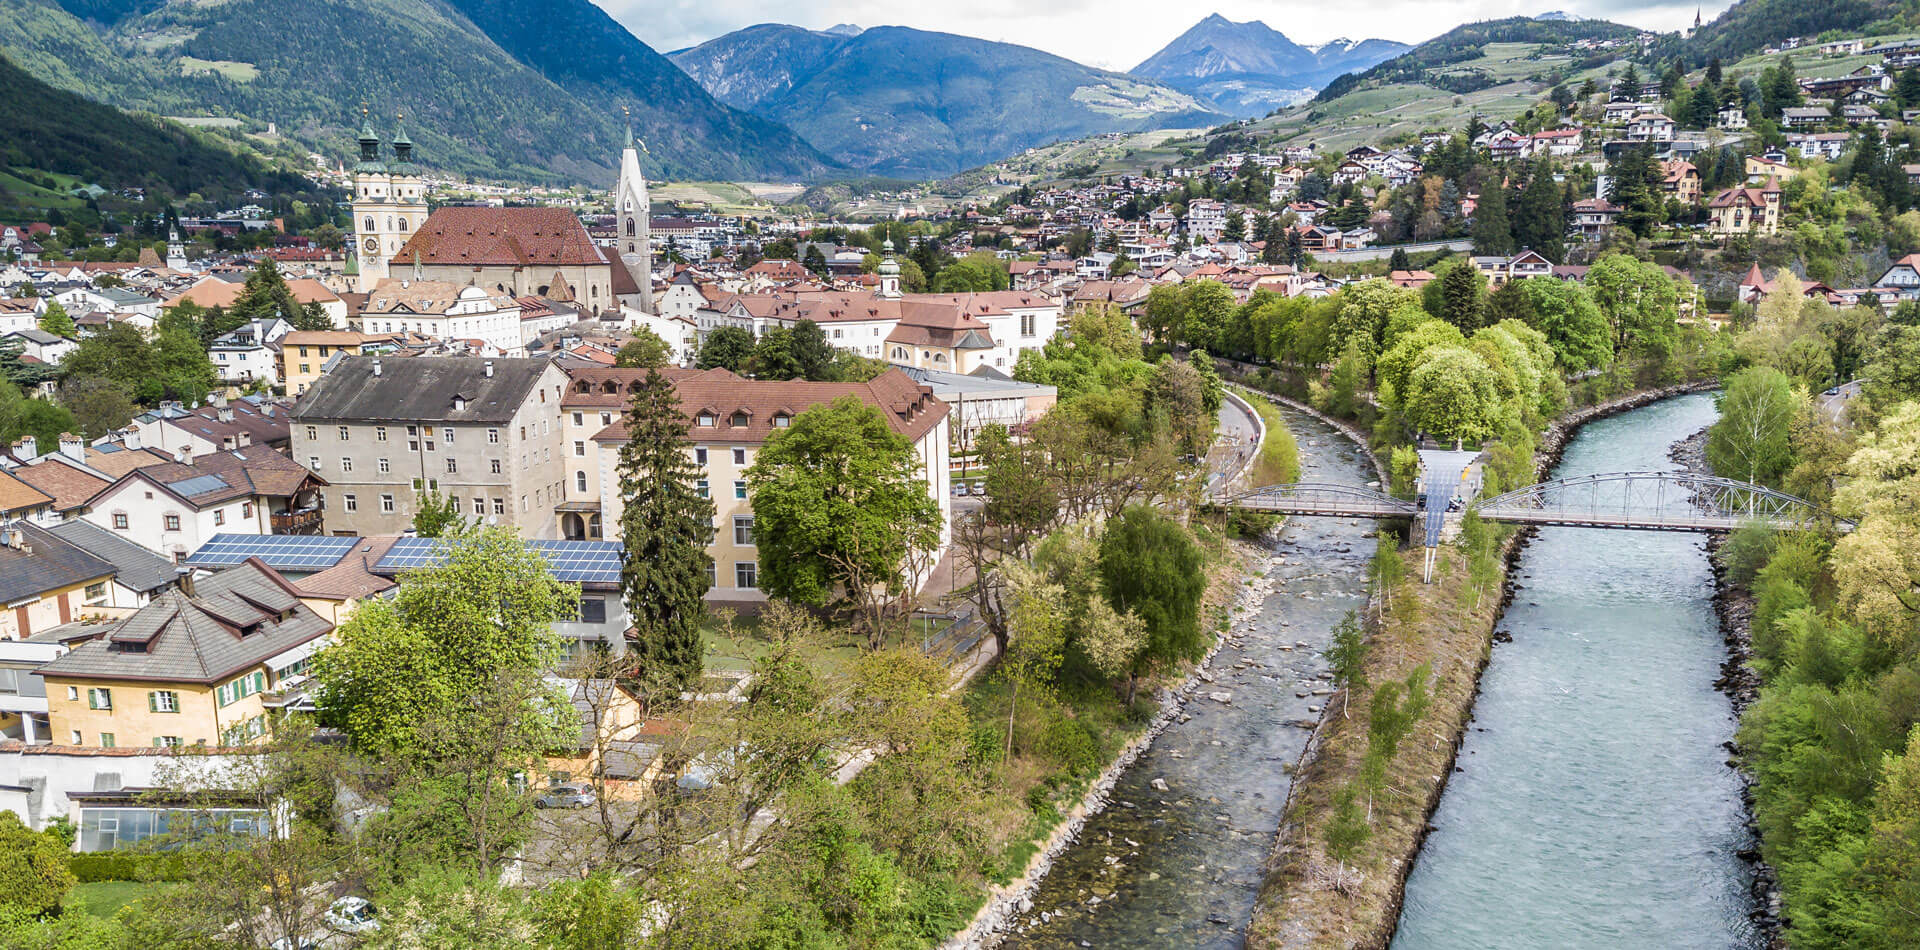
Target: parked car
{"points": [[569, 795], [353, 915], [959, 489], [295, 943]]}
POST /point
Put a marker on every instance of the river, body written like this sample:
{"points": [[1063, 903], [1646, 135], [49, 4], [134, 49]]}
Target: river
{"points": [[1593, 805], [1180, 867]]}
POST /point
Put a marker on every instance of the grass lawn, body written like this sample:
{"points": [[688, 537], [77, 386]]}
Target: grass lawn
{"points": [[105, 898]]}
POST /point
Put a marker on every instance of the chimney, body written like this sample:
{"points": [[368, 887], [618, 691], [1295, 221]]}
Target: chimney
{"points": [[183, 576], [130, 437], [376, 366], [73, 447], [246, 439], [489, 369], [224, 414], [27, 449], [183, 454], [219, 400]]}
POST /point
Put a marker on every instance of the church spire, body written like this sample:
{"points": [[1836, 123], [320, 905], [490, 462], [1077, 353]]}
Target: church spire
{"points": [[369, 143], [629, 114], [402, 146]]}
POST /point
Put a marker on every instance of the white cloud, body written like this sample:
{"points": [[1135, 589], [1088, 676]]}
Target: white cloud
{"points": [[1118, 34]]}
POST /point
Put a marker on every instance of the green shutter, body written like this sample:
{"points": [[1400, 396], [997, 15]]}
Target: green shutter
{"points": [[153, 702]]}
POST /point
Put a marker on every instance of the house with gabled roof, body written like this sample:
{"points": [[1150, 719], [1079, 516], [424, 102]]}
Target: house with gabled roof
{"points": [[203, 664], [173, 507], [1745, 210]]}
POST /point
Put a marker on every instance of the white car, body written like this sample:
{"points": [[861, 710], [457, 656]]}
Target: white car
{"points": [[353, 915]]}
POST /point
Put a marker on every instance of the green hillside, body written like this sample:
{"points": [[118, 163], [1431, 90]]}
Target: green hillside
{"points": [[1463, 59], [471, 105], [67, 139], [1752, 25]]}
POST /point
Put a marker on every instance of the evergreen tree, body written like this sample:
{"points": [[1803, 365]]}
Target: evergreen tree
{"points": [[1713, 71], [665, 527], [1702, 107], [1236, 229], [1539, 220], [1907, 88], [1399, 260], [1627, 87], [1492, 230], [1462, 296], [1632, 188], [1672, 81], [811, 351], [57, 321]]}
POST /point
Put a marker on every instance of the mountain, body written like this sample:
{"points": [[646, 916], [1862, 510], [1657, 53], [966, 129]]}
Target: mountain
{"points": [[52, 130], [485, 88], [919, 104], [1251, 68], [1752, 25], [1437, 62], [760, 63]]}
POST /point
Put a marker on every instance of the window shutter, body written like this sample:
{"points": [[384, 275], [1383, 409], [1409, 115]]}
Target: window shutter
{"points": [[153, 702], [220, 695]]}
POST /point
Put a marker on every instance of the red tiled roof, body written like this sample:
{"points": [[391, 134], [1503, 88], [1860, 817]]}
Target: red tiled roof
{"points": [[910, 408], [502, 237]]}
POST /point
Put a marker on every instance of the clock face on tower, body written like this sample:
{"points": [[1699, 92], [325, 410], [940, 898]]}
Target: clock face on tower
{"points": [[372, 245]]}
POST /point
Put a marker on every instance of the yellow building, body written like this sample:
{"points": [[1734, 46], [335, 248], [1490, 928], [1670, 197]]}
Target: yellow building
{"points": [[202, 665], [45, 582], [304, 354], [1745, 210]]}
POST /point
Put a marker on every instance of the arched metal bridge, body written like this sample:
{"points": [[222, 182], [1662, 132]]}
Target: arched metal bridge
{"points": [[1661, 501]]}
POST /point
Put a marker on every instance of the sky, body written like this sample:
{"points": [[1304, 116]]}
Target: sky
{"points": [[1118, 34]]}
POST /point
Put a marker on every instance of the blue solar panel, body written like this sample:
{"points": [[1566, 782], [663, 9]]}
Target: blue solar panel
{"points": [[282, 552], [575, 562]]}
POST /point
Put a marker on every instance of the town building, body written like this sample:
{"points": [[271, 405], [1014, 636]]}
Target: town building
{"points": [[1745, 211], [385, 431], [443, 310], [204, 664]]}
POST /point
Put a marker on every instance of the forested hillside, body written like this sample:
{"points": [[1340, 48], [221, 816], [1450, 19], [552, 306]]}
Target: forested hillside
{"points": [[1425, 64]]}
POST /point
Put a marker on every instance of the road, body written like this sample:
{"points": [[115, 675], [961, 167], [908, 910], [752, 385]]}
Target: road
{"points": [[1233, 444], [1381, 253], [1834, 401]]}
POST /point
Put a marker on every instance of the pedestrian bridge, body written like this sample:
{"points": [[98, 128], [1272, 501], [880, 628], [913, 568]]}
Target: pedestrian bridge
{"points": [[1642, 501]]}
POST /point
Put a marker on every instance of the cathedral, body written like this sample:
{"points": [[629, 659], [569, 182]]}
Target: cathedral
{"points": [[516, 252]]}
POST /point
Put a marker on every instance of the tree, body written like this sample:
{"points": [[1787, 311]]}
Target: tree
{"points": [[1399, 260], [1463, 292], [726, 348], [1876, 566], [811, 350], [1151, 567], [773, 356], [1492, 231], [665, 527], [1540, 219], [1633, 184], [1164, 318], [1639, 302], [265, 296], [57, 321], [1347, 656], [1209, 308], [1038, 637], [840, 500], [1750, 439], [1572, 322], [1452, 394], [645, 350], [439, 516], [33, 868], [96, 405]]}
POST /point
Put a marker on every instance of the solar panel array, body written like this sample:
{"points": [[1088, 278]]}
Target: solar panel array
{"points": [[575, 562], [282, 552]]}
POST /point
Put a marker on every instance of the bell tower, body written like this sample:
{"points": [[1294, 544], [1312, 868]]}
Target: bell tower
{"points": [[372, 184], [633, 221]]}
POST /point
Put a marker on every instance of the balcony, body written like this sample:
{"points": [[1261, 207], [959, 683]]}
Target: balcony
{"points": [[304, 521]]}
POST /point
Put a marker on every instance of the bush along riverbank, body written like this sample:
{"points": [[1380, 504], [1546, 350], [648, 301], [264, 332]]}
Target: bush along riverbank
{"points": [[1410, 670], [1733, 603]]}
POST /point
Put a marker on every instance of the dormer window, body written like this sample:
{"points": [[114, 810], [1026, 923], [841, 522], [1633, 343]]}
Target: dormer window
{"points": [[781, 420], [740, 419], [706, 419], [459, 403]]}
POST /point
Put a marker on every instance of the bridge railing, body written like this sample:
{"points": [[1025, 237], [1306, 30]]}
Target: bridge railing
{"points": [[1317, 498], [1654, 499]]}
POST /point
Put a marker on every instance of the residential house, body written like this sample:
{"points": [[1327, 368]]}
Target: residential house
{"points": [[1501, 269], [172, 508], [223, 291], [1650, 127], [1731, 119], [1827, 145], [202, 665], [1593, 217], [383, 432], [1680, 181], [46, 582], [220, 426], [246, 353], [1745, 210], [41, 345], [1773, 165], [728, 420], [1805, 117], [304, 354], [1206, 220]]}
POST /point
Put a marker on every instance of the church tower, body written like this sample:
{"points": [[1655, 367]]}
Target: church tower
{"points": [[633, 223], [389, 204], [889, 271], [176, 251]]}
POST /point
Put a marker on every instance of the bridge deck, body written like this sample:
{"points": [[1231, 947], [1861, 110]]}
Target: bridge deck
{"points": [[1651, 521], [1285, 506]]}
